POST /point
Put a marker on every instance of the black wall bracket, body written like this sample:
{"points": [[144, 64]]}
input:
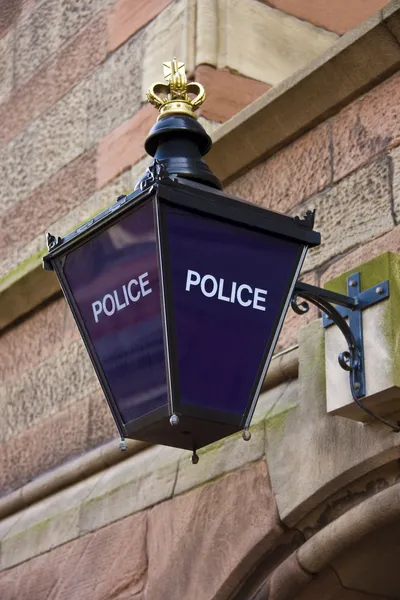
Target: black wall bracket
{"points": [[350, 307], [346, 313]]}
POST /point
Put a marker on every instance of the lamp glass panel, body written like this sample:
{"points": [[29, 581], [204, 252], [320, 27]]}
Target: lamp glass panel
{"points": [[114, 279], [228, 287]]}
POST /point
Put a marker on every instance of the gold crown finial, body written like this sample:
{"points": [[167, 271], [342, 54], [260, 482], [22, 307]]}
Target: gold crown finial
{"points": [[174, 99]]}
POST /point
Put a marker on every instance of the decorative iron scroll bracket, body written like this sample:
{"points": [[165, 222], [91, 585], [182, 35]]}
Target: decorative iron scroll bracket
{"points": [[337, 308]]}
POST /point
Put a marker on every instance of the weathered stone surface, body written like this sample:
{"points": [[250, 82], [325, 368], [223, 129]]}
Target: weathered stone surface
{"points": [[46, 389], [130, 486], [174, 30], [48, 203], [355, 210], [68, 118], [294, 174], [339, 17], [36, 153], [126, 17], [114, 90], [9, 13], [120, 185], [392, 18], [312, 455], [43, 30], [44, 446], [110, 563], [36, 339], [6, 65], [215, 513], [395, 157], [101, 425], [75, 15], [327, 585], [49, 83], [36, 38], [227, 93], [227, 455], [388, 242], [124, 146], [366, 127], [278, 46], [275, 402], [288, 579]]}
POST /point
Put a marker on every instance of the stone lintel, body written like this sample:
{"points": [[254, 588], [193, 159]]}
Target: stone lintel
{"points": [[353, 65]]}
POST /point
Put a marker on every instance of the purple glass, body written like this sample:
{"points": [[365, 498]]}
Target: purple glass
{"points": [[114, 280], [228, 288]]}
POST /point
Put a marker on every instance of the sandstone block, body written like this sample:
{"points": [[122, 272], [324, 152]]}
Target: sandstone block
{"points": [[50, 82], [68, 118], [46, 389], [11, 10], [389, 242], [221, 457], [227, 93], [292, 175], [392, 18], [395, 157], [288, 579], [6, 65], [367, 127], [41, 32], [214, 514], [37, 36], [36, 153], [354, 211], [16, 170], [46, 445], [338, 17], [75, 15], [63, 192], [126, 17], [40, 538], [114, 90], [120, 185], [174, 30], [279, 45], [109, 563], [130, 486], [124, 146], [44, 525], [101, 425], [36, 339]]}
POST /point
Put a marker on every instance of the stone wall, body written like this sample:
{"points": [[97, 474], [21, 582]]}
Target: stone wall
{"points": [[72, 88], [74, 119]]}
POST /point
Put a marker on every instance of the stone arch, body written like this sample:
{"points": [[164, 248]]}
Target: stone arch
{"points": [[355, 557]]}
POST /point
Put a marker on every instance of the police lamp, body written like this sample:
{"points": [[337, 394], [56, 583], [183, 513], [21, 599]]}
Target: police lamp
{"points": [[180, 290]]}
